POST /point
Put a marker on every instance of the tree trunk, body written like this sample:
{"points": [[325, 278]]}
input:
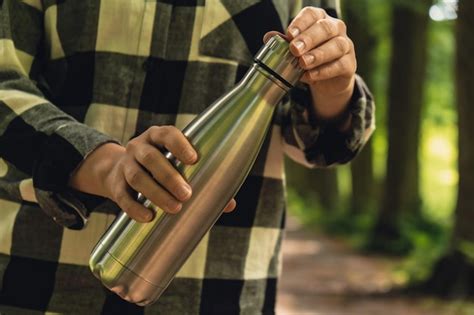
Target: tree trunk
{"points": [[327, 188], [407, 73], [361, 31], [453, 275], [319, 183], [363, 195]]}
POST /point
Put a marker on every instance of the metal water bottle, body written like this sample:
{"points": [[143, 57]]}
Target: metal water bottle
{"points": [[138, 260]]}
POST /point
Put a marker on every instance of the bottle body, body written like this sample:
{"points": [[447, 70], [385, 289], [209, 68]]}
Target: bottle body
{"points": [[138, 261]]}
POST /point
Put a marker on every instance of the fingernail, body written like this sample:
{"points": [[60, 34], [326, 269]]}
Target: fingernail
{"points": [[308, 59], [299, 45], [294, 31], [184, 192], [174, 206], [189, 155], [149, 216]]}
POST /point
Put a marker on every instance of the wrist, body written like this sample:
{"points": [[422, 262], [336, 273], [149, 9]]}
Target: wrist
{"points": [[92, 173], [331, 103], [332, 108]]}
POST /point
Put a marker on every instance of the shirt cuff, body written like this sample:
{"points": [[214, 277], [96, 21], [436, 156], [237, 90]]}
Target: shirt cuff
{"points": [[334, 146], [60, 155]]}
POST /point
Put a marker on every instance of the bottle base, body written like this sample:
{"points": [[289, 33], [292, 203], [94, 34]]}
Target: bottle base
{"points": [[124, 282]]}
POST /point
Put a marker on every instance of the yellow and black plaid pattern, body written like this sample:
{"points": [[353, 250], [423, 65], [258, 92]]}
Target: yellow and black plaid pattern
{"points": [[76, 74]]}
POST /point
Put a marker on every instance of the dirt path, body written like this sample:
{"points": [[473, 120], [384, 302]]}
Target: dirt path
{"points": [[326, 277]]}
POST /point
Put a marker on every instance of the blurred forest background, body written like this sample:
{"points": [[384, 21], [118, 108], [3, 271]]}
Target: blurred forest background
{"points": [[410, 193]]}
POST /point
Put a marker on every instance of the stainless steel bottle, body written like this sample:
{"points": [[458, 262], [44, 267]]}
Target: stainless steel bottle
{"points": [[138, 260]]}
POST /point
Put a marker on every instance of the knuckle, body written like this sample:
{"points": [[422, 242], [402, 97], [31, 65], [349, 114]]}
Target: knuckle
{"points": [[171, 129], [350, 43], [171, 179], [319, 55], [315, 13], [326, 72], [304, 64], [153, 134], [341, 26], [132, 145], [166, 177], [308, 10], [148, 157], [154, 130], [170, 135], [328, 27], [341, 66], [122, 165], [164, 131], [133, 177], [342, 44]]}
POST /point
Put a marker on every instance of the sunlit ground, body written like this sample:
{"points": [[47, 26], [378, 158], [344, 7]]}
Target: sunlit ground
{"points": [[324, 276]]}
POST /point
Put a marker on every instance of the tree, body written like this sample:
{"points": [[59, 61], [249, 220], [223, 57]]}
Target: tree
{"points": [[453, 274], [361, 31], [407, 73], [321, 184]]}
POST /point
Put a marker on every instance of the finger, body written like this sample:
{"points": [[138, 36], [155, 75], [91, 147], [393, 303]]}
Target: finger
{"points": [[142, 182], [230, 206], [307, 17], [163, 172], [344, 66], [317, 34], [135, 210], [174, 141], [332, 50]]}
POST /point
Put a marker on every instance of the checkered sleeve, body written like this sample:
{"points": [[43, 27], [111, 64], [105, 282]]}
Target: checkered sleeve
{"points": [[35, 136], [317, 143]]}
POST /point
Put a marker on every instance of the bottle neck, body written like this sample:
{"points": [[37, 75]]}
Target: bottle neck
{"points": [[263, 83], [274, 75], [258, 78]]}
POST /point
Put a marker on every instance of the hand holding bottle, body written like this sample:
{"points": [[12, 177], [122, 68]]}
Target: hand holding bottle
{"points": [[327, 54], [118, 172]]}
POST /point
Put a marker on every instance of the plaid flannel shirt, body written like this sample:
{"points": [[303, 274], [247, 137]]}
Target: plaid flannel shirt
{"points": [[77, 74]]}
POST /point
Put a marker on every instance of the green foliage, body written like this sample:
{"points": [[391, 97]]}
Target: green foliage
{"points": [[439, 176], [440, 109], [333, 221], [429, 240]]}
